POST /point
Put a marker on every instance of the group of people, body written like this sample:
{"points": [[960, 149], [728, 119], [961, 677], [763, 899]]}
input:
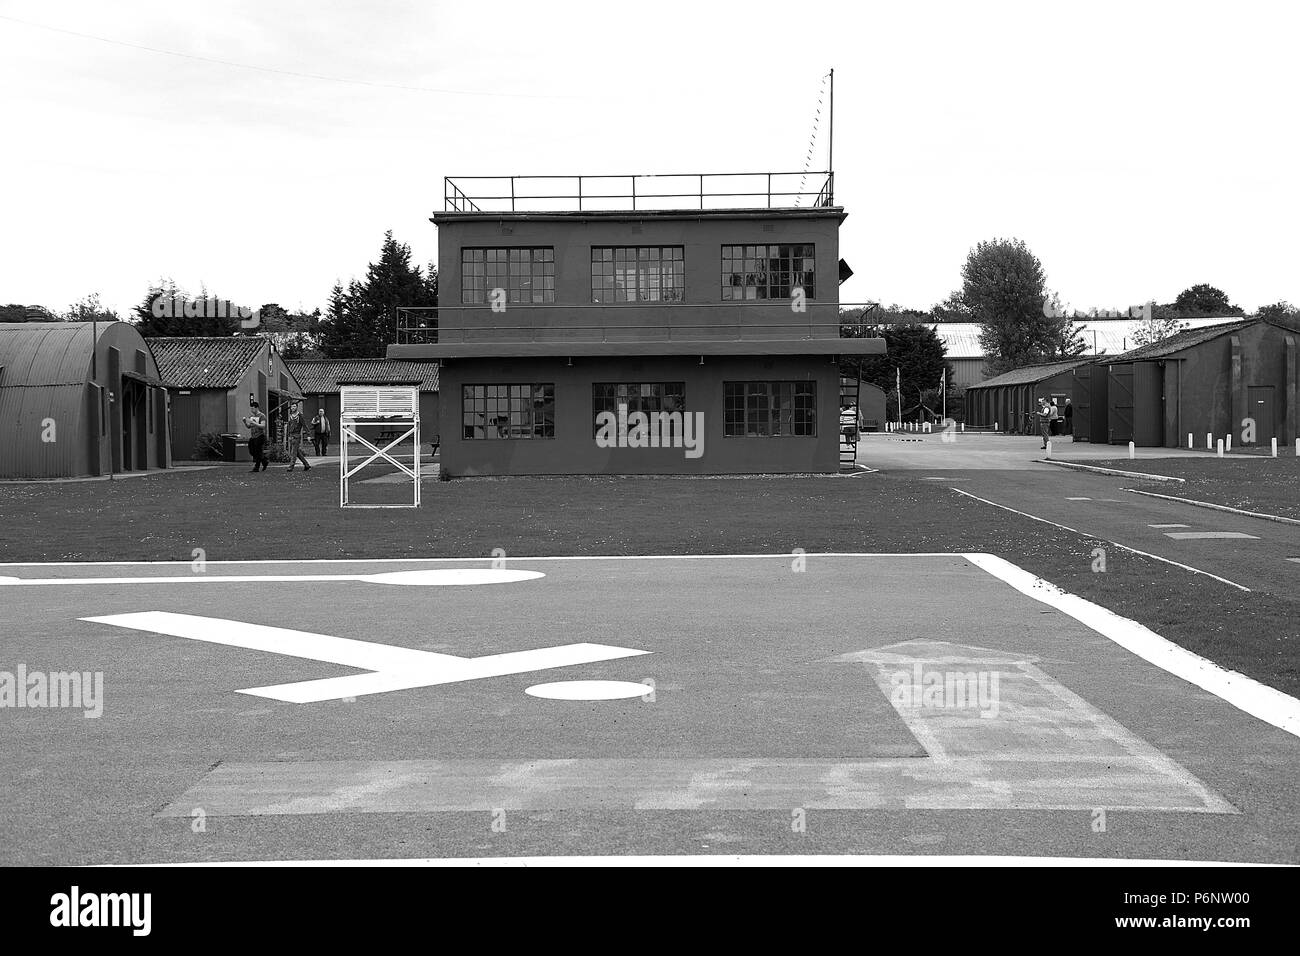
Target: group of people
{"points": [[1054, 419], [294, 429]]}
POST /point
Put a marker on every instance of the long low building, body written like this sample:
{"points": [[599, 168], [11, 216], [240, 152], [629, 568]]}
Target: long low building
{"points": [[1238, 378], [961, 341], [322, 379]]}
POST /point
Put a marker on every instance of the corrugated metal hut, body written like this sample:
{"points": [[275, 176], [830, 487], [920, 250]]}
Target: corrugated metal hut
{"points": [[1010, 400], [78, 399]]}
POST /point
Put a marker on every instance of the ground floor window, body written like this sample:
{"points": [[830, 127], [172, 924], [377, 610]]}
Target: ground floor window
{"points": [[770, 409], [637, 396], [508, 411]]}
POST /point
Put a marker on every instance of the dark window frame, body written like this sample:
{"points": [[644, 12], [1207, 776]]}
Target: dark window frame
{"points": [[669, 284], [528, 409], [776, 408], [527, 280], [765, 272], [605, 397]]}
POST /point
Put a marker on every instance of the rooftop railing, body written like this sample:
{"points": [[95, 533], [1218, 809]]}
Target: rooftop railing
{"points": [[621, 193]]}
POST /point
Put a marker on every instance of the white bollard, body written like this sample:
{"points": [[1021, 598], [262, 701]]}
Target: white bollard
{"points": [[1049, 449], [995, 428], [1189, 441], [1220, 447], [1297, 447], [1131, 450], [1274, 447], [1209, 443], [963, 428], [1229, 444]]}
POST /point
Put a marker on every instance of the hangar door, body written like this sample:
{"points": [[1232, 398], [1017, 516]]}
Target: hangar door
{"points": [[1119, 380]]}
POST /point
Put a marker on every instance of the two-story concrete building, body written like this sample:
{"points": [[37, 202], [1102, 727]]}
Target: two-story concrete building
{"points": [[635, 340]]}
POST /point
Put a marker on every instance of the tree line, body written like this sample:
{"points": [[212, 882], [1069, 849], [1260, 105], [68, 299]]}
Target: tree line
{"points": [[357, 322]]}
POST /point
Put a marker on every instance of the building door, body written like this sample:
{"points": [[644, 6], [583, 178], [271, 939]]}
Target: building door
{"points": [[1120, 395], [1259, 406]]}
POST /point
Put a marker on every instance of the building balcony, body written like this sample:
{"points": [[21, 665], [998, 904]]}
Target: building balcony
{"points": [[637, 193], [632, 329]]}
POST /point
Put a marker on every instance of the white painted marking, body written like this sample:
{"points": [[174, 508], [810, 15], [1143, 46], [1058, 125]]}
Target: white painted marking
{"points": [[1296, 560], [428, 577], [1078, 499], [1214, 507], [1245, 693], [588, 690], [391, 668], [1199, 535], [712, 861], [1168, 526], [1124, 547]]}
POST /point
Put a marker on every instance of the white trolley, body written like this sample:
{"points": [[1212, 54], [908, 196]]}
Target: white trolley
{"points": [[391, 405]]}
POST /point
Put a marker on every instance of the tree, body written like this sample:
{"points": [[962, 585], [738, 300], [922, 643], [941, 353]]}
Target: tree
{"points": [[1279, 310], [166, 310], [1204, 300], [1003, 286], [1160, 326], [362, 322], [88, 309], [292, 333], [13, 313], [917, 353], [952, 309]]}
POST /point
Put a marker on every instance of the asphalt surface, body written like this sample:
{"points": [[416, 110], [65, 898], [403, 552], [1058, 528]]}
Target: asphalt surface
{"points": [[1009, 471], [774, 725]]}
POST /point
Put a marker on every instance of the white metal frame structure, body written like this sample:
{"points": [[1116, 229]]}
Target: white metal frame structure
{"points": [[362, 405]]}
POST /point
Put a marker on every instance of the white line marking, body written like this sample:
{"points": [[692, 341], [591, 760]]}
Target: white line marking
{"points": [[719, 860], [1124, 547], [1198, 535], [390, 667], [1078, 499], [1245, 693], [1296, 560], [432, 577], [1168, 526], [1209, 504], [479, 557]]}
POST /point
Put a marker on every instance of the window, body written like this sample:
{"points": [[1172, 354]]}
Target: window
{"points": [[767, 272], [638, 397], [770, 409], [526, 274], [637, 274], [508, 411]]}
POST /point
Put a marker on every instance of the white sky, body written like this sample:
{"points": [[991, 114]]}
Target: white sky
{"points": [[1137, 147]]}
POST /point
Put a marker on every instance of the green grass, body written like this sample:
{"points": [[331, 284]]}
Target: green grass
{"points": [[232, 514], [1267, 485]]}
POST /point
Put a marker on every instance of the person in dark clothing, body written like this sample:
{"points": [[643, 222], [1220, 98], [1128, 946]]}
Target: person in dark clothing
{"points": [[255, 422], [1069, 418], [320, 432]]}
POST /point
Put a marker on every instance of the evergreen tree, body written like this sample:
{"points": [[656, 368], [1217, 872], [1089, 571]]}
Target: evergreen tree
{"points": [[363, 322]]}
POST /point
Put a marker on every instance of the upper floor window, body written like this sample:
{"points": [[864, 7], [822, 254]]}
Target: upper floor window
{"points": [[637, 274], [527, 274], [767, 272]]}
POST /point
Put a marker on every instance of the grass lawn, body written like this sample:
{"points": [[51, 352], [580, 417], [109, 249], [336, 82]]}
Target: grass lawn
{"points": [[232, 514], [1253, 483]]}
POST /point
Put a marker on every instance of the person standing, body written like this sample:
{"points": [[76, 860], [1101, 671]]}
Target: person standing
{"points": [[293, 432], [320, 430], [255, 422], [1069, 417], [1044, 420]]}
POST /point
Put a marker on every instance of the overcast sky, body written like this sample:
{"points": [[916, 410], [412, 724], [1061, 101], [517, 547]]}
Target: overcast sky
{"points": [[1138, 148]]}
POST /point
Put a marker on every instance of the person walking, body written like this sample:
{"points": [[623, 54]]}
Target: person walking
{"points": [[293, 432], [1069, 417], [320, 432], [1044, 420], [255, 422]]}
